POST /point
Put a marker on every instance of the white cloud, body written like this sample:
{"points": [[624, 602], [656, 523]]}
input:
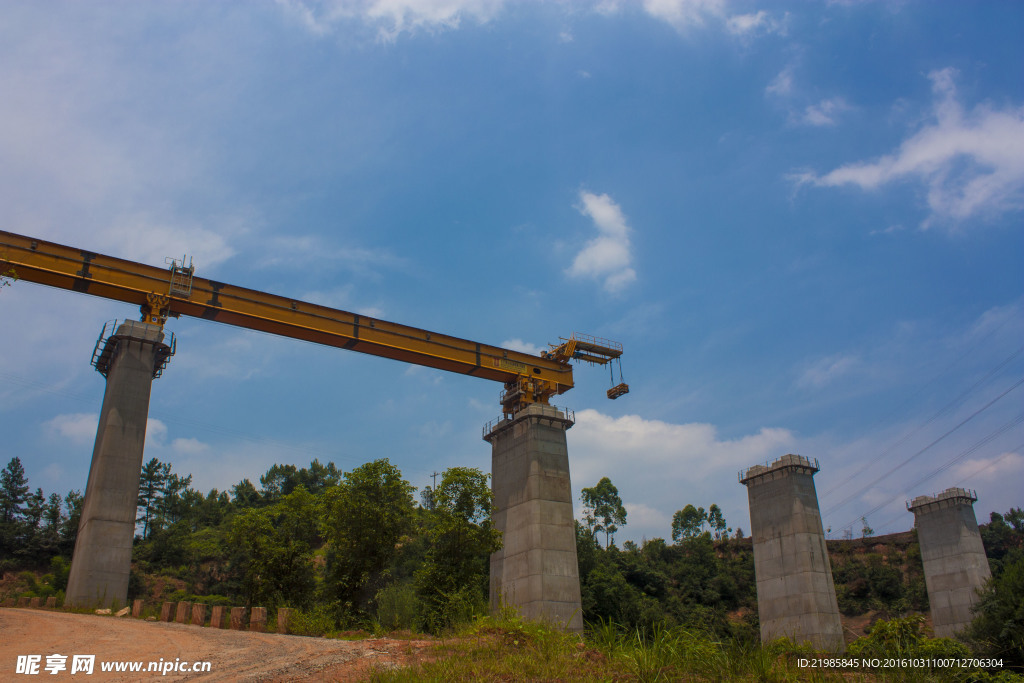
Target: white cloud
{"points": [[667, 465], [224, 353], [782, 84], [435, 430], [824, 113], [693, 446], [1007, 466], [745, 25], [89, 161], [341, 298], [79, 428], [971, 163], [643, 515], [824, 371], [189, 446], [521, 346], [151, 241], [391, 17], [683, 14], [609, 255], [156, 434], [304, 251]]}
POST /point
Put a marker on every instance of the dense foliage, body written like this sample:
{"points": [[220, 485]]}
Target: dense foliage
{"points": [[355, 549]]}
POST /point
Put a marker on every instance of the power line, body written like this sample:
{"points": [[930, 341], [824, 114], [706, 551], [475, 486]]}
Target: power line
{"points": [[963, 454], [926, 448], [942, 411], [992, 464], [966, 479], [1006, 427]]}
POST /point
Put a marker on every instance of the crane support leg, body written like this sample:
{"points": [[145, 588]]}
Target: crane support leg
{"points": [[103, 550], [536, 570]]}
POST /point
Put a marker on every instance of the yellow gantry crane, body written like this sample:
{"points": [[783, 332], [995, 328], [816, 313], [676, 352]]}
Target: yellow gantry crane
{"points": [[163, 293]]}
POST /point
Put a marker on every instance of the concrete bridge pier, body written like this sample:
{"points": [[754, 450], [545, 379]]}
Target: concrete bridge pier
{"points": [[796, 597], [955, 565], [130, 359], [536, 569]]}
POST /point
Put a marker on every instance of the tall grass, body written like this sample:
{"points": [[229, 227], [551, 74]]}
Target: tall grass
{"points": [[507, 648]]}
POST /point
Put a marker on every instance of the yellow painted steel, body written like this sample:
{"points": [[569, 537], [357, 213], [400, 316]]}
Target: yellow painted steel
{"points": [[159, 294], [594, 350]]}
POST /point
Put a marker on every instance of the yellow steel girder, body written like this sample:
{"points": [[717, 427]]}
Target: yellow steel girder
{"points": [[157, 292]]}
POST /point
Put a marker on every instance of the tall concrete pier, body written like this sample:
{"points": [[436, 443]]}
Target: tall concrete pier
{"points": [[130, 358], [955, 566], [536, 570], [796, 597]]}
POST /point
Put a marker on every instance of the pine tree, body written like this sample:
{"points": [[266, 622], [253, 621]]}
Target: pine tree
{"points": [[69, 529], [31, 537], [151, 486], [13, 495], [13, 491]]}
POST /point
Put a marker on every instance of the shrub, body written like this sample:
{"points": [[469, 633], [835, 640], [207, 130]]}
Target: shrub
{"points": [[998, 627], [398, 607], [318, 621]]}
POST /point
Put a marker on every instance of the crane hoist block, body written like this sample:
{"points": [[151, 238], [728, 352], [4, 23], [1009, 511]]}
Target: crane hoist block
{"points": [[618, 390]]}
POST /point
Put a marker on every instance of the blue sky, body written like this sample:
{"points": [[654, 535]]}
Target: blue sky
{"points": [[802, 220]]}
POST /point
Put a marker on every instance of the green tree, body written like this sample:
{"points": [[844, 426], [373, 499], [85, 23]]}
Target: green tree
{"points": [[998, 626], [13, 495], [716, 520], [318, 477], [1002, 535], [364, 519], [53, 521], [31, 537], [69, 530], [276, 550], [866, 529], [688, 522], [452, 583], [152, 481], [244, 494], [603, 510], [174, 504], [280, 480], [13, 491]]}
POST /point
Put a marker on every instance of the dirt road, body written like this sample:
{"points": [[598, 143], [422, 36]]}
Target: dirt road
{"points": [[233, 655]]}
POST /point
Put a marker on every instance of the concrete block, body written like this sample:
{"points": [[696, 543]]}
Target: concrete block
{"points": [[167, 611], [952, 553], [103, 549], [217, 616], [23, 602], [9, 602], [198, 614], [51, 602], [182, 613], [258, 619], [237, 618], [536, 570], [284, 615], [35, 603], [795, 593], [137, 608]]}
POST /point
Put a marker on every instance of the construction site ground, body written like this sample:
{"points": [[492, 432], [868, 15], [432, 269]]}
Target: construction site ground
{"points": [[233, 655]]}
